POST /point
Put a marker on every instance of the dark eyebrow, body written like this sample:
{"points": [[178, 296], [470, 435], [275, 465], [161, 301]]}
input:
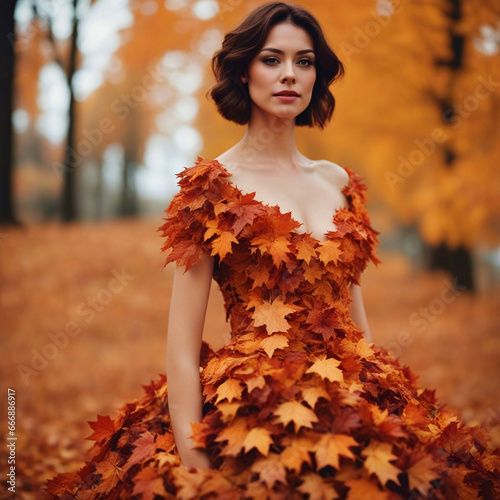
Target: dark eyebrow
{"points": [[278, 51]]}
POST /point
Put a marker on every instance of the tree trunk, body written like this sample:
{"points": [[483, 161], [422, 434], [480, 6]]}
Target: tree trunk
{"points": [[458, 261], [7, 56], [68, 209]]}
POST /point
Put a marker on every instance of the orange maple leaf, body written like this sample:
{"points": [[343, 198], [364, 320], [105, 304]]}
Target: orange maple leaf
{"points": [[362, 489], [110, 473], [317, 488], [145, 447], [272, 315], [422, 472], [327, 369], [259, 438], [270, 469], [272, 343], [378, 455], [331, 446], [235, 435], [230, 389], [329, 251], [103, 427], [293, 411], [296, 452], [148, 484], [223, 244]]}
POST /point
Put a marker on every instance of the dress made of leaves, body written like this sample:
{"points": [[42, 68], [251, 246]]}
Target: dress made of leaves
{"points": [[297, 405]]}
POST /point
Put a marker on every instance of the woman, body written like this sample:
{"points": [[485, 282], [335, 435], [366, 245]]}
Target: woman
{"points": [[298, 404]]}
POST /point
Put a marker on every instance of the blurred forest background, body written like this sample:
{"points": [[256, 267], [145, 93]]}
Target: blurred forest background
{"points": [[103, 102]]}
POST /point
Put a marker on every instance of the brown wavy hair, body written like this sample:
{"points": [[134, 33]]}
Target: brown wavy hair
{"points": [[242, 44]]}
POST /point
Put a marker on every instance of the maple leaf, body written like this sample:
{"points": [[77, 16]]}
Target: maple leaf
{"points": [[272, 343], [222, 244], [65, 482], [327, 369], [363, 349], [277, 248], [165, 442], [145, 447], [362, 489], [378, 456], [188, 482], [230, 389], [228, 410], [330, 446], [317, 488], [148, 484], [305, 250], [272, 315], [254, 382], [313, 271], [259, 438], [293, 411], [312, 394], [324, 321], [235, 435], [246, 209], [110, 473], [422, 472], [270, 469], [296, 452], [329, 251], [103, 427]]}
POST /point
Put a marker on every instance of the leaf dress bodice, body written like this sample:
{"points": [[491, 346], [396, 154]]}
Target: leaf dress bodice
{"points": [[272, 277]]}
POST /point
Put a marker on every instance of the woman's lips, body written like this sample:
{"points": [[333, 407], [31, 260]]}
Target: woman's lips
{"points": [[286, 98]]}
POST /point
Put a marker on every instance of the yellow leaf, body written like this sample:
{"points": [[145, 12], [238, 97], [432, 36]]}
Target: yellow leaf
{"points": [[272, 343], [259, 438], [330, 446], [327, 368], [378, 455], [293, 411]]}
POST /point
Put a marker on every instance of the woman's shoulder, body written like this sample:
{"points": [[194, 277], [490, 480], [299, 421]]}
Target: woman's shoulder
{"points": [[334, 172]]}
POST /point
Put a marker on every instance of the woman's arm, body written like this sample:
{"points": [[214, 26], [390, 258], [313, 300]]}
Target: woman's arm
{"points": [[357, 310], [188, 307]]}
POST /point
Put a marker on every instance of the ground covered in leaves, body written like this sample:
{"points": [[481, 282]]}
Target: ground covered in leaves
{"points": [[84, 320]]}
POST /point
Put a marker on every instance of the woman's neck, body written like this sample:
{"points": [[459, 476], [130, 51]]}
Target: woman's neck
{"points": [[269, 139]]}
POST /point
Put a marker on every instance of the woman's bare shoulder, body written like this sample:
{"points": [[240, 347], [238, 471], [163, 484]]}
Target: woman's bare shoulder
{"points": [[336, 173]]}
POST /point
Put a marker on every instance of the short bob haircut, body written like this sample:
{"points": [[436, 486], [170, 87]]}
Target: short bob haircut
{"points": [[243, 43]]}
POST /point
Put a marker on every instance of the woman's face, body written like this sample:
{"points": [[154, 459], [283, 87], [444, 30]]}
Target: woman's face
{"points": [[285, 63]]}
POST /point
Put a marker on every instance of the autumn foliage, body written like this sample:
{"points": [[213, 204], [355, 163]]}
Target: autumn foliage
{"points": [[297, 404]]}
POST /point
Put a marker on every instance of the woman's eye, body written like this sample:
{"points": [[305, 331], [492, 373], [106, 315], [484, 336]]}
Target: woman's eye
{"points": [[271, 60]]}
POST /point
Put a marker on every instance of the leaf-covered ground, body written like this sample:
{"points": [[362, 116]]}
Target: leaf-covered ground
{"points": [[84, 312]]}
